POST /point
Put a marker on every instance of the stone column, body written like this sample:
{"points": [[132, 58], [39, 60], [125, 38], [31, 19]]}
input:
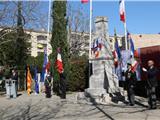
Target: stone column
{"points": [[103, 80]]}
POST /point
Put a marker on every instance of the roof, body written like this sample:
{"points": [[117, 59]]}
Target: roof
{"points": [[145, 40]]}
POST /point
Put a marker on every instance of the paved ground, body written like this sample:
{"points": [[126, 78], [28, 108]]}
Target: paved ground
{"points": [[37, 107]]}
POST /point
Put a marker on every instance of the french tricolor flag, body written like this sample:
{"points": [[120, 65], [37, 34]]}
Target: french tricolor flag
{"points": [[116, 54], [115, 58], [131, 44], [59, 63], [97, 46], [134, 66], [84, 1], [45, 62], [117, 50], [122, 10]]}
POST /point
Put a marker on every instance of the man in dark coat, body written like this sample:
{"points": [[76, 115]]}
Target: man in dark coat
{"points": [[62, 89], [130, 76], [151, 84], [60, 70], [48, 84], [14, 76]]}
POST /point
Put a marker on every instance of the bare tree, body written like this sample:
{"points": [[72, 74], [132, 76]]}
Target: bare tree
{"points": [[78, 27], [32, 14], [34, 17]]}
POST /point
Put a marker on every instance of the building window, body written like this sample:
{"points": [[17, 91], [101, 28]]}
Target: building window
{"points": [[28, 36], [86, 37], [41, 46], [40, 53], [110, 40], [73, 36], [41, 37]]}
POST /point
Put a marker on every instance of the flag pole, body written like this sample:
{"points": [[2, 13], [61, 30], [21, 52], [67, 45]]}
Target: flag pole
{"points": [[125, 34], [125, 29], [90, 30], [123, 19], [48, 30], [46, 48], [90, 38]]}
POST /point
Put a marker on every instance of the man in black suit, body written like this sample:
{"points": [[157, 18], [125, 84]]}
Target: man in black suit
{"points": [[152, 83], [130, 77]]}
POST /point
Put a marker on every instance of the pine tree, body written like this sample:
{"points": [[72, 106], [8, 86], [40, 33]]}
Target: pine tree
{"points": [[22, 46], [59, 36]]}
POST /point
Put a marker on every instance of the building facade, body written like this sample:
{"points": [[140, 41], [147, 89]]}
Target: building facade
{"points": [[39, 40], [79, 42], [145, 40]]}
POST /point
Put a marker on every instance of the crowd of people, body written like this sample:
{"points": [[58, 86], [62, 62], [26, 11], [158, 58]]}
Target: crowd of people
{"points": [[130, 80], [48, 82], [151, 83]]}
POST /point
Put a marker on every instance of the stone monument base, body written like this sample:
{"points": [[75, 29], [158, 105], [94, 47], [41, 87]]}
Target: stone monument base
{"points": [[95, 92], [98, 96], [103, 83]]}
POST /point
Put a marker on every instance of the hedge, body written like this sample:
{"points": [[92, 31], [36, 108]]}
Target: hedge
{"points": [[78, 79]]}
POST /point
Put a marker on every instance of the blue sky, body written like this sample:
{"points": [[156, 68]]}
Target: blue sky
{"points": [[142, 17]]}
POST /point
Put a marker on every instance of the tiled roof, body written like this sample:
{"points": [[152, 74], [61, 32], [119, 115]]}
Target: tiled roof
{"points": [[145, 40]]}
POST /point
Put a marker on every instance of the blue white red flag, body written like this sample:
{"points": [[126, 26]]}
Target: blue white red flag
{"points": [[131, 44], [36, 80], [59, 63], [84, 1], [45, 62], [97, 46], [117, 50], [134, 66], [122, 10]]}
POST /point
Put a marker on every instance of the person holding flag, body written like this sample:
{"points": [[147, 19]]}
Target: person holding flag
{"points": [[46, 77], [133, 60], [130, 81], [48, 84], [60, 69]]}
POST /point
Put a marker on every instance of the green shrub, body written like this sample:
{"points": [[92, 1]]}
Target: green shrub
{"points": [[78, 74], [22, 79], [36, 61]]}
